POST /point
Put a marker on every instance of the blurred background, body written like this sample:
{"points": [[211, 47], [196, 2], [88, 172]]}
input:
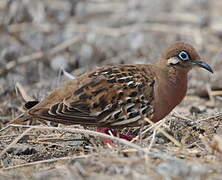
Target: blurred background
{"points": [[39, 39]]}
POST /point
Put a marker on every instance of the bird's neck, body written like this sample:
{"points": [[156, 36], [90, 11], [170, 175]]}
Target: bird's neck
{"points": [[176, 78], [170, 90]]}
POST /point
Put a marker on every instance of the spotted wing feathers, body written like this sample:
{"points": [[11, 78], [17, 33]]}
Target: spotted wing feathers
{"points": [[116, 96]]}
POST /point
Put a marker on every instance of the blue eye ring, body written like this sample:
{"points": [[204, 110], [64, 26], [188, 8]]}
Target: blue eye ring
{"points": [[183, 55]]}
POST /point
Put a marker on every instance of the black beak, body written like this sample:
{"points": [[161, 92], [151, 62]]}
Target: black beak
{"points": [[203, 65]]}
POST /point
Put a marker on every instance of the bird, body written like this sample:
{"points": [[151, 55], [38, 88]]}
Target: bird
{"points": [[119, 96]]}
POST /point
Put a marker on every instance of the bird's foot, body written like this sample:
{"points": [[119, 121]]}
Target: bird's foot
{"points": [[112, 133]]}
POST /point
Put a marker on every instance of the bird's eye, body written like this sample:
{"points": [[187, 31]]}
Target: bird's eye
{"points": [[183, 55]]}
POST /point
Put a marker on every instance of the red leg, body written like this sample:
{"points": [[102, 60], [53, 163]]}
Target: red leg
{"points": [[126, 137], [114, 133]]}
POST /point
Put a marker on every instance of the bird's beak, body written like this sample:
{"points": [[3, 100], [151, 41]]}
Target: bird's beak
{"points": [[203, 65]]}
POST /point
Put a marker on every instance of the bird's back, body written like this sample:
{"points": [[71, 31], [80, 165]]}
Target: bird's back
{"points": [[109, 96]]}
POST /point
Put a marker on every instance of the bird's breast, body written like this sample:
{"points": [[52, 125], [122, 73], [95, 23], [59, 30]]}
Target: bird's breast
{"points": [[168, 94]]}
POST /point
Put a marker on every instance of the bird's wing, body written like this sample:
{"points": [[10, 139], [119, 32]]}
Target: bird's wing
{"points": [[116, 96]]}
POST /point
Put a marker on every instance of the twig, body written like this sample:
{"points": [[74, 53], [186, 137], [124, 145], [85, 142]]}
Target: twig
{"points": [[15, 141], [22, 91], [209, 118], [88, 132], [68, 75], [154, 135], [216, 93], [6, 175], [6, 127], [146, 130], [154, 125], [82, 131], [209, 91], [177, 115], [63, 45], [22, 60], [152, 140], [171, 138], [45, 161], [40, 54]]}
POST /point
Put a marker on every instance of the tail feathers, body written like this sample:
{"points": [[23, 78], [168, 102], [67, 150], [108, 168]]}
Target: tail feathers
{"points": [[21, 119]]}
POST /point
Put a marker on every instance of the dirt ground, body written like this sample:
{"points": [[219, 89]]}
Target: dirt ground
{"points": [[41, 39]]}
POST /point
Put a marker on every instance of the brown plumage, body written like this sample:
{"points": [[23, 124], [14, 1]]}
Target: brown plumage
{"points": [[121, 95]]}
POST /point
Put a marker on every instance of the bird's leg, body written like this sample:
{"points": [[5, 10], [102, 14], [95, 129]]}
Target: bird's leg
{"points": [[112, 133], [106, 131]]}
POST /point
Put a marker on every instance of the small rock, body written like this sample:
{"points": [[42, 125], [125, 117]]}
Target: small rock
{"points": [[197, 110], [21, 149], [10, 53]]}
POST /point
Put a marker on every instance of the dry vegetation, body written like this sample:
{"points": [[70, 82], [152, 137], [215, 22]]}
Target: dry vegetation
{"points": [[40, 38]]}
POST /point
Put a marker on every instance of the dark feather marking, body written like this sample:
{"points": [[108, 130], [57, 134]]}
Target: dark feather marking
{"points": [[30, 104], [114, 97], [92, 74], [152, 83], [111, 76], [137, 100], [120, 94], [134, 114], [107, 70], [86, 86], [133, 94], [114, 106], [144, 110], [119, 75], [95, 105], [80, 106], [54, 108], [59, 109], [121, 119], [99, 91], [131, 70], [102, 102], [128, 100], [132, 85], [85, 96], [130, 108], [94, 84], [116, 115], [120, 80], [78, 91], [142, 97], [140, 85], [115, 71], [108, 111], [128, 79], [125, 87], [113, 80], [64, 118]]}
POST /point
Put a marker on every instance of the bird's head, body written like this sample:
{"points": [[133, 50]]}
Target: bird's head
{"points": [[183, 56]]}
